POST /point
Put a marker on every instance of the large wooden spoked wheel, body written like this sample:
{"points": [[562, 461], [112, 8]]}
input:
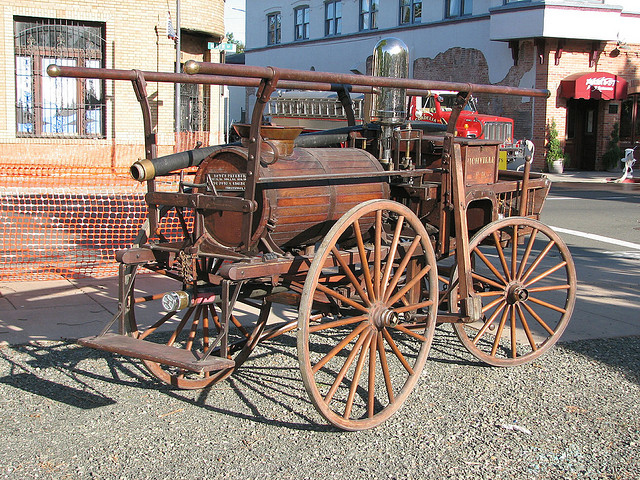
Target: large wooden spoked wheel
{"points": [[526, 277], [194, 329], [365, 327]]}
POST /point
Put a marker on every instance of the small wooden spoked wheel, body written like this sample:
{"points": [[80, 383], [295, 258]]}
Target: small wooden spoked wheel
{"points": [[367, 314], [526, 277], [195, 329]]}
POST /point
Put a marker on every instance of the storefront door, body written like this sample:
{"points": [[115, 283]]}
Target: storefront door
{"points": [[582, 128]]}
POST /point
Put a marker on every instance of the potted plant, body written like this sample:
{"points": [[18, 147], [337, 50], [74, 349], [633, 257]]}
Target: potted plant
{"points": [[555, 155]]}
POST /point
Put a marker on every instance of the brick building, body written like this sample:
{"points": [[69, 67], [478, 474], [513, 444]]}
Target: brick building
{"points": [[50, 119], [586, 52], [66, 200]]}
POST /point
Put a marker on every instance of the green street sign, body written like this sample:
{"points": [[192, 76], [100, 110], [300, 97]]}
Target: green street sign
{"points": [[222, 47]]}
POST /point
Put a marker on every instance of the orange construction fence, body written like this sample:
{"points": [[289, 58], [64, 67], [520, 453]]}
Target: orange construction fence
{"points": [[65, 218]]}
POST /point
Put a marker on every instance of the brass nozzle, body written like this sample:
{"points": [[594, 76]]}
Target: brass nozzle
{"points": [[142, 170]]}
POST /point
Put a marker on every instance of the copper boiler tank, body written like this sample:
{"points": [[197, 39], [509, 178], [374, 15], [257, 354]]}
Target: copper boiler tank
{"points": [[290, 213]]}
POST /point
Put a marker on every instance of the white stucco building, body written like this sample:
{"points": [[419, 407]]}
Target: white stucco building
{"points": [[527, 43]]}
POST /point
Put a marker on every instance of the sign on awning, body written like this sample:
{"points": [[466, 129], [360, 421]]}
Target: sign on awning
{"points": [[594, 86]]}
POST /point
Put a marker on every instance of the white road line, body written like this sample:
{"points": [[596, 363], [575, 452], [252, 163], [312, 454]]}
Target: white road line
{"points": [[598, 238], [633, 255]]}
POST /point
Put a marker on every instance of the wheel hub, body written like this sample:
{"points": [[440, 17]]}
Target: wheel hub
{"points": [[517, 293], [382, 316]]}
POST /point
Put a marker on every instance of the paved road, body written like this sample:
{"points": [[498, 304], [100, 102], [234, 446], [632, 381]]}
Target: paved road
{"points": [[601, 225]]}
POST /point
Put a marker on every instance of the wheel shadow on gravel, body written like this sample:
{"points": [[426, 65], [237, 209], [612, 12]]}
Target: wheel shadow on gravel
{"points": [[272, 385], [446, 348], [278, 386], [57, 392]]}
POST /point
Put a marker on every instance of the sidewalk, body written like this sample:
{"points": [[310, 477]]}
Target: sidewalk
{"points": [[579, 176]]}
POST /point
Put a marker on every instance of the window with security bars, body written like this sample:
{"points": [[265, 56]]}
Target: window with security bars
{"points": [[194, 107], [60, 107]]}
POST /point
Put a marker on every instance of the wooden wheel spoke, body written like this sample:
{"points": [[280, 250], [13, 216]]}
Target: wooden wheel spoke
{"points": [[410, 284], [488, 323], [205, 331], [396, 351], [527, 252], [338, 348], [337, 323], [486, 280], [156, 325], [385, 368], [503, 259], [373, 349], [538, 319], [415, 335], [547, 304], [413, 306], [546, 273], [345, 368], [364, 259], [338, 296], [401, 268], [512, 329], [525, 326], [491, 293], [490, 305], [550, 288], [193, 330], [377, 258], [496, 341], [490, 265], [351, 276], [393, 249], [356, 375], [239, 326], [182, 323], [537, 261], [514, 252]]}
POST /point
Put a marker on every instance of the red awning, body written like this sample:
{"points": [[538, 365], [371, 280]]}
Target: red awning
{"points": [[594, 86]]}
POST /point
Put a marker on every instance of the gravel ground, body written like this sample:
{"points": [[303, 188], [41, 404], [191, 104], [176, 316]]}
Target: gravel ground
{"points": [[71, 412]]}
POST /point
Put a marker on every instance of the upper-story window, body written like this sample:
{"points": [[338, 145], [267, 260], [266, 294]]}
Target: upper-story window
{"points": [[369, 14], [333, 18], [457, 8], [273, 28], [410, 11], [301, 16], [60, 107]]}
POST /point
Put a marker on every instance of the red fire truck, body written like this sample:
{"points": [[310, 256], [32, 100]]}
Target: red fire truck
{"points": [[323, 110]]}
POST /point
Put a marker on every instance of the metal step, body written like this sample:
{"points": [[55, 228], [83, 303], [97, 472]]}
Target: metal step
{"points": [[164, 354]]}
